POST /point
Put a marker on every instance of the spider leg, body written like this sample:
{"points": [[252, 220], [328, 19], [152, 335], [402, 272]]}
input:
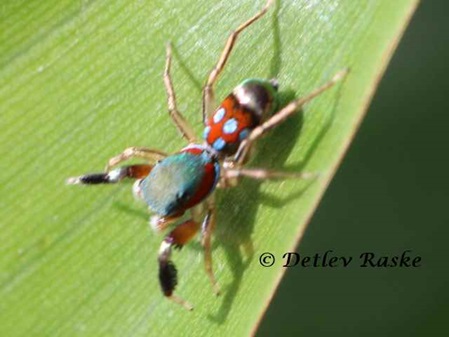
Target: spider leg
{"points": [[263, 174], [136, 152], [160, 223], [181, 123], [168, 279], [208, 90], [207, 229], [114, 176], [242, 153]]}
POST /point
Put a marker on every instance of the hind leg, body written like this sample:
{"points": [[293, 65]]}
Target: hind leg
{"points": [[208, 90], [242, 153]]}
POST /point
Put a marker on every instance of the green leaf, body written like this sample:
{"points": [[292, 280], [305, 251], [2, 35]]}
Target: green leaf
{"points": [[81, 80]]}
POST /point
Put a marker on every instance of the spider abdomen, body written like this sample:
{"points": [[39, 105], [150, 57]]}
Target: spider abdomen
{"points": [[250, 104]]}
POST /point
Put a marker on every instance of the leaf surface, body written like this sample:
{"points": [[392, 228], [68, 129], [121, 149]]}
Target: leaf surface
{"points": [[81, 80]]}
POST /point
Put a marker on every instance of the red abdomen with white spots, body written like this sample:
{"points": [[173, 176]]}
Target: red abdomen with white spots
{"points": [[249, 105]]}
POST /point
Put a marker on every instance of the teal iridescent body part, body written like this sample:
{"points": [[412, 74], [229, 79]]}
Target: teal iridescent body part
{"points": [[185, 181], [180, 181]]}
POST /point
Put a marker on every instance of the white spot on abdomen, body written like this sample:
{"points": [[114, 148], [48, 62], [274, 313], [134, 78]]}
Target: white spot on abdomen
{"points": [[230, 126], [218, 116]]}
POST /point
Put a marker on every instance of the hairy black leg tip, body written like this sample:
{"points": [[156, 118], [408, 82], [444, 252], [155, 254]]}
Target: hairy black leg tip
{"points": [[168, 277], [89, 179]]}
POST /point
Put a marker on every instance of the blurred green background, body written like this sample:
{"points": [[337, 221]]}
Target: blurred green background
{"points": [[390, 194]]}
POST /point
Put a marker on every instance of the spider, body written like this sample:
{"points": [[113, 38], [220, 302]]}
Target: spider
{"points": [[172, 184]]}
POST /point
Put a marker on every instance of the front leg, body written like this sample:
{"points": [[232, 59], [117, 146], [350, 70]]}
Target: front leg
{"points": [[160, 223], [138, 171], [168, 274]]}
